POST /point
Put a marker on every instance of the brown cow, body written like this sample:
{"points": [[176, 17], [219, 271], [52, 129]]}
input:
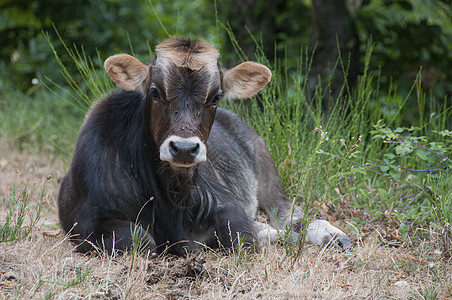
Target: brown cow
{"points": [[159, 158]]}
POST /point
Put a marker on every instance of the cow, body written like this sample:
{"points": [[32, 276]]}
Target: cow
{"points": [[158, 159]]}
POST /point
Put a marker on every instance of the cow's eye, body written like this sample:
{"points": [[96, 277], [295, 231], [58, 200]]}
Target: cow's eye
{"points": [[155, 94], [217, 99]]}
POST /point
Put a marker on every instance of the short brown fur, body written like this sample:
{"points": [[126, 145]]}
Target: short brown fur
{"points": [[192, 55]]}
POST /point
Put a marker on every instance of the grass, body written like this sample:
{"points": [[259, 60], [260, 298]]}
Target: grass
{"points": [[366, 157], [18, 211], [38, 122], [381, 272], [139, 243]]}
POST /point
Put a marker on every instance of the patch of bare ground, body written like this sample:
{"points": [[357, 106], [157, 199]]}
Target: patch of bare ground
{"points": [[45, 266]]}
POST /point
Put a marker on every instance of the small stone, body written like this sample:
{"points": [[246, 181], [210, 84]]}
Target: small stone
{"points": [[49, 224], [437, 253], [10, 276], [402, 283]]}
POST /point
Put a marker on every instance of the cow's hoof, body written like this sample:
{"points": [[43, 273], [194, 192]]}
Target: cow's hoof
{"points": [[321, 233], [339, 242]]}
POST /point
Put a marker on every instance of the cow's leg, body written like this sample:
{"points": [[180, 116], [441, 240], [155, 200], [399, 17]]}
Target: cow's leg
{"points": [[97, 230], [266, 233], [270, 192], [321, 232], [272, 198], [234, 227], [169, 231]]}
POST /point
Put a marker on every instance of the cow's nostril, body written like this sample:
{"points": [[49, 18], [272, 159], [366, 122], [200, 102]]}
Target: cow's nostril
{"points": [[184, 151], [173, 148], [195, 150]]}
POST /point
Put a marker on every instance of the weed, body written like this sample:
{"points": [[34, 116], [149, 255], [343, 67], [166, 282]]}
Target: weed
{"points": [[81, 273], [287, 237], [140, 242], [49, 295], [237, 253], [429, 293], [80, 276], [81, 94], [18, 209]]}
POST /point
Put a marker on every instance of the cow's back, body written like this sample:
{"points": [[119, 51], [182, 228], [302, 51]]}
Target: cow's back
{"points": [[109, 163]]}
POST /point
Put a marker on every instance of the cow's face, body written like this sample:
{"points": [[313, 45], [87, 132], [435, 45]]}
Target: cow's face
{"points": [[183, 85]]}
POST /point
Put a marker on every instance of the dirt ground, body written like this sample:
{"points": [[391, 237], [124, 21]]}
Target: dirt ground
{"points": [[44, 266]]}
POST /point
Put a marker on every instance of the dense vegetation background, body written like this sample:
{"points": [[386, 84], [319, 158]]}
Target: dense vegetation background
{"points": [[408, 35], [358, 113]]}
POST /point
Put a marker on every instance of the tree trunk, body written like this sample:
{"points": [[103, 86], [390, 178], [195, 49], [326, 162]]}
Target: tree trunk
{"points": [[257, 16], [333, 31]]}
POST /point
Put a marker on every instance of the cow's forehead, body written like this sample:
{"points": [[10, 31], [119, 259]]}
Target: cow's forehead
{"points": [[193, 55]]}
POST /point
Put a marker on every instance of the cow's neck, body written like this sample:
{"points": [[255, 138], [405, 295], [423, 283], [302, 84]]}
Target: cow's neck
{"points": [[179, 184]]}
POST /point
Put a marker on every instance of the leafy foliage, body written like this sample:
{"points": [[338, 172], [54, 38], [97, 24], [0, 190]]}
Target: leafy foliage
{"points": [[100, 28], [409, 35]]}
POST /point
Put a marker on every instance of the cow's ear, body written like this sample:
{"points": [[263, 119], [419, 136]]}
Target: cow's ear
{"points": [[128, 72], [245, 80]]}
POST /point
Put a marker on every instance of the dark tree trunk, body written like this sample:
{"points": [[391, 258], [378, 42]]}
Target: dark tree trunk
{"points": [[259, 17], [333, 29]]}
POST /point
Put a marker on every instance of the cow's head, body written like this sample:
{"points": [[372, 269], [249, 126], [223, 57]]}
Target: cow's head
{"points": [[183, 85]]}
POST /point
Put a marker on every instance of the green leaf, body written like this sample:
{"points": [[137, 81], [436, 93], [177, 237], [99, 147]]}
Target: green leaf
{"points": [[389, 156], [383, 193], [358, 170], [422, 154], [356, 220], [384, 168], [403, 149]]}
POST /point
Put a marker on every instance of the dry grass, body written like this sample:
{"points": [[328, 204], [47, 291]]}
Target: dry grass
{"points": [[45, 266]]}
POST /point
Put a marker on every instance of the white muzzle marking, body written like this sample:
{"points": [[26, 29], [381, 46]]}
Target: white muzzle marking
{"points": [[183, 152]]}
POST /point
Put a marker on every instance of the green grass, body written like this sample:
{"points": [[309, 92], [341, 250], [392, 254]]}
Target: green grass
{"points": [[139, 243], [367, 154], [20, 217], [80, 275], [38, 121]]}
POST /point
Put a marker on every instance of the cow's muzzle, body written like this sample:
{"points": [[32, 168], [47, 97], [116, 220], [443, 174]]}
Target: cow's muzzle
{"points": [[183, 152]]}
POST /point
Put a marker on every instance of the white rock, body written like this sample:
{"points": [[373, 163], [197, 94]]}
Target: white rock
{"points": [[402, 283]]}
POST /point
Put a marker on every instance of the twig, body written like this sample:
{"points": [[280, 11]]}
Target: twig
{"points": [[404, 168], [439, 155], [395, 236], [355, 214], [356, 163]]}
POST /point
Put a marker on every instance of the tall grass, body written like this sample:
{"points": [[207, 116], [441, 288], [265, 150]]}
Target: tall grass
{"points": [[359, 150]]}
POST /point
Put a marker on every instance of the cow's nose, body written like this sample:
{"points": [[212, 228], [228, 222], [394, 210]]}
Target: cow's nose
{"points": [[184, 151]]}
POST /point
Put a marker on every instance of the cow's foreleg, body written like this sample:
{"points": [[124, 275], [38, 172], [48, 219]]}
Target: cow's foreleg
{"points": [[233, 227], [92, 231]]}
